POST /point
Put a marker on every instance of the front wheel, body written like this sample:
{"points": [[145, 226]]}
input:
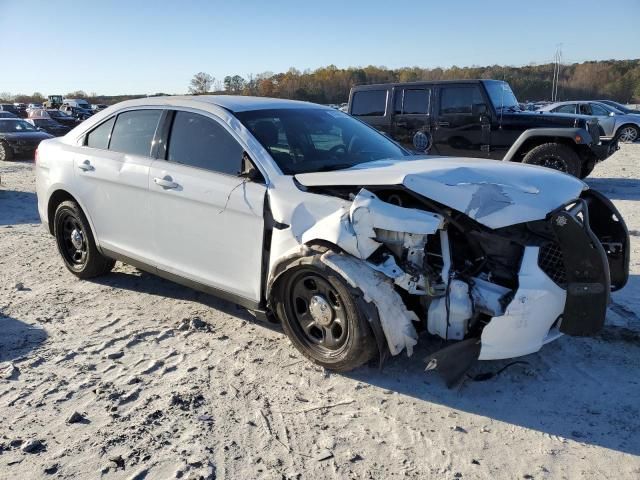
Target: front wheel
{"points": [[76, 243], [320, 315], [556, 156], [628, 133]]}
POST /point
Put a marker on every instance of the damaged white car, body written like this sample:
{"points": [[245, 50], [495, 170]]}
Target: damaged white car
{"points": [[309, 217]]}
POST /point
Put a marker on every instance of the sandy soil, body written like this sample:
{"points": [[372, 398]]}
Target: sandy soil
{"points": [[130, 376]]}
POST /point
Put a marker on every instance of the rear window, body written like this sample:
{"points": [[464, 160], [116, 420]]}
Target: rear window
{"points": [[134, 131], [369, 103]]}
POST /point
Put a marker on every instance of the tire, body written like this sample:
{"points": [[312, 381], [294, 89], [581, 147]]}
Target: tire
{"points": [[556, 156], [76, 243], [339, 337], [6, 153], [587, 169], [628, 133]]}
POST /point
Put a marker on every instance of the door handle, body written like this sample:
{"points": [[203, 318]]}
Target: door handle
{"points": [[443, 124], [166, 182], [86, 166]]}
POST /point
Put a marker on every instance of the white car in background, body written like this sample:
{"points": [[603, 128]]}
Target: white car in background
{"points": [[309, 217], [614, 123]]}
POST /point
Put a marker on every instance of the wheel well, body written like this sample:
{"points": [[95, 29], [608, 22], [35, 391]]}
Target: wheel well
{"points": [[531, 143], [56, 199]]}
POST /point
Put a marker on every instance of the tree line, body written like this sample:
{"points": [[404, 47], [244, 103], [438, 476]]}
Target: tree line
{"points": [[613, 79]]}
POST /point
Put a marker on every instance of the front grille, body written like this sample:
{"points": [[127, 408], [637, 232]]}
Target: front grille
{"points": [[551, 262], [594, 131]]}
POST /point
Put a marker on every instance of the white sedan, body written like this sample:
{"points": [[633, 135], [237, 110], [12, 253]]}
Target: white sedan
{"points": [[311, 218]]}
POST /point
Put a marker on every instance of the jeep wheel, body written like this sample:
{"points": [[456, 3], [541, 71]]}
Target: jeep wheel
{"points": [[320, 315], [6, 153], [556, 156], [628, 134], [76, 244]]}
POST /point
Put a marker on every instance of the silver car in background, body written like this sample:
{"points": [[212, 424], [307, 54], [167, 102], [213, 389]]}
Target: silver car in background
{"points": [[614, 123]]}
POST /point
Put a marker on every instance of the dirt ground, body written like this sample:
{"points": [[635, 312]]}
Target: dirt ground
{"points": [[130, 376]]}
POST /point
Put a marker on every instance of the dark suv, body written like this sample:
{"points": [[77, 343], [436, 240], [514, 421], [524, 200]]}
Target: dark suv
{"points": [[479, 118]]}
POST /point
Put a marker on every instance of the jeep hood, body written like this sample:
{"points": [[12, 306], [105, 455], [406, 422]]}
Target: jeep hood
{"points": [[493, 193]]}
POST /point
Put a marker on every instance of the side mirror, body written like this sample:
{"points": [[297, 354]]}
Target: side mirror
{"points": [[249, 170], [612, 114]]}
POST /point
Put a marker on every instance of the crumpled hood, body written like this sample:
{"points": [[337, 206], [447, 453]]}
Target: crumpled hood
{"points": [[494, 193]]}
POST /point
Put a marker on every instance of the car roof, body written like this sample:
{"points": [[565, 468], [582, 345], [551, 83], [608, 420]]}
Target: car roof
{"points": [[421, 82], [233, 103]]}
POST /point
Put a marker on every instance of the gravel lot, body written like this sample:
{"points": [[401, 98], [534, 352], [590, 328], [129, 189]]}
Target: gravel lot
{"points": [[131, 376]]}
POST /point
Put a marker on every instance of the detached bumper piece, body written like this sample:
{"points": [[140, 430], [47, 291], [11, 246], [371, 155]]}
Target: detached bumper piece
{"points": [[586, 265]]}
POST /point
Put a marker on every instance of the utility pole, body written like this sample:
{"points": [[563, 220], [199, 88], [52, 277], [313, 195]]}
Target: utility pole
{"points": [[557, 61]]}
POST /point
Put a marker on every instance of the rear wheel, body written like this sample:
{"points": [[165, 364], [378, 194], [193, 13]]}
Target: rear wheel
{"points": [[76, 243], [556, 156], [628, 133], [6, 153], [320, 315]]}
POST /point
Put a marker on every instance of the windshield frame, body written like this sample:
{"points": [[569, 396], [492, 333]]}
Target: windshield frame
{"points": [[253, 116]]}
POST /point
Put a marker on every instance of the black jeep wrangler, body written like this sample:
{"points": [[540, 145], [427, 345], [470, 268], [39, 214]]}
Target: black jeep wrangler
{"points": [[479, 118]]}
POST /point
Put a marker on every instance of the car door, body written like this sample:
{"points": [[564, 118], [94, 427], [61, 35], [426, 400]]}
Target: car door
{"points": [[207, 220], [411, 113], [113, 172], [606, 120], [459, 129]]}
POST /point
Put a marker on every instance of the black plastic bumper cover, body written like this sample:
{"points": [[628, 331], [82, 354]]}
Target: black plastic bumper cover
{"points": [[587, 271]]}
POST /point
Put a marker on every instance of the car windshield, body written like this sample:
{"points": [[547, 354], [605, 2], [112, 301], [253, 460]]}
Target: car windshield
{"points": [[8, 126], [501, 95], [304, 140]]}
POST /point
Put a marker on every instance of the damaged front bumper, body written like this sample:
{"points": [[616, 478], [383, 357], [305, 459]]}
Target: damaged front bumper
{"points": [[564, 286]]}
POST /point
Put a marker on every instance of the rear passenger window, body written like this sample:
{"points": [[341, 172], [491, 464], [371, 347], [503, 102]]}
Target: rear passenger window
{"points": [[459, 100], [133, 132], [99, 136], [369, 103], [201, 142], [416, 101]]}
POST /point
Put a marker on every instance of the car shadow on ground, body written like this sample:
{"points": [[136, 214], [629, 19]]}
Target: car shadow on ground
{"points": [[582, 389], [18, 207], [616, 188], [588, 405], [150, 284], [569, 390], [18, 338]]}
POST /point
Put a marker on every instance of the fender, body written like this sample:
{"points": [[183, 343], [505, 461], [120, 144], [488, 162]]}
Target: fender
{"points": [[571, 133]]}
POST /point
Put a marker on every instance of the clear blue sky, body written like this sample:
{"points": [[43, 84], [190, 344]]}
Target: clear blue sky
{"points": [[115, 46]]}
